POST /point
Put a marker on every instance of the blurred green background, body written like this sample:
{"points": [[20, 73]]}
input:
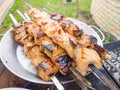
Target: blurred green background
{"points": [[68, 9]]}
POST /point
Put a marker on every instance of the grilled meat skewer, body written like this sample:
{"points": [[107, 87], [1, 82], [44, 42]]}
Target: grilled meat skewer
{"points": [[82, 82], [82, 57], [82, 38]]}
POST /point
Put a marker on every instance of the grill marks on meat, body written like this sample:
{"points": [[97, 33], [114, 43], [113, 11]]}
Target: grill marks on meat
{"points": [[73, 30], [54, 51], [81, 54], [84, 59], [63, 60], [54, 31], [49, 47], [78, 33], [93, 39]]}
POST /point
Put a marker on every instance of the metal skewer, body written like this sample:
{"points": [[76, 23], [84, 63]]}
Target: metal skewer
{"points": [[28, 5], [13, 19], [53, 78], [26, 15], [22, 15], [81, 80], [98, 74]]}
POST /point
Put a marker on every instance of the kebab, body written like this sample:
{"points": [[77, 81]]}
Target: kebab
{"points": [[82, 83], [60, 37]]}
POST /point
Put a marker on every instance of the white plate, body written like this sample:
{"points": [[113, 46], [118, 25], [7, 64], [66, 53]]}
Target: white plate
{"points": [[8, 48]]}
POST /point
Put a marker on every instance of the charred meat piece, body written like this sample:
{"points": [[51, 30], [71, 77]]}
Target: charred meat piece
{"points": [[69, 27]]}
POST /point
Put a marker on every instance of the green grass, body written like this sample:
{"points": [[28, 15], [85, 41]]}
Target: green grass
{"points": [[57, 6], [85, 5]]}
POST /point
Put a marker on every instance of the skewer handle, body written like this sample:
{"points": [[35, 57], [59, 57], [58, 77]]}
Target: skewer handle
{"points": [[99, 74], [57, 83], [13, 19], [28, 5], [27, 17], [21, 15], [81, 80]]}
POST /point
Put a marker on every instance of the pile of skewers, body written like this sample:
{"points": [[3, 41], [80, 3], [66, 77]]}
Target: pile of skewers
{"points": [[54, 43]]}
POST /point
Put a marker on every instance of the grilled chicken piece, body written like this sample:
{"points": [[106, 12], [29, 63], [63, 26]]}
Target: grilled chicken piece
{"points": [[53, 30], [57, 54], [81, 37], [44, 66], [21, 36]]}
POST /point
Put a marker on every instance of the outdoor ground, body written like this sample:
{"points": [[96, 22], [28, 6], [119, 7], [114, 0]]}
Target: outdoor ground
{"points": [[79, 10]]}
